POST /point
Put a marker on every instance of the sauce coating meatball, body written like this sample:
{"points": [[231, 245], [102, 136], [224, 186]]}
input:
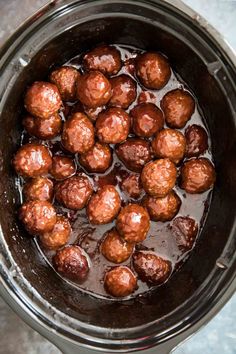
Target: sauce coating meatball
{"points": [[39, 188], [196, 139], [42, 99], [58, 236], [123, 91], [113, 126], [32, 160], [197, 175], [153, 70], [133, 223], [97, 159], [159, 177], [134, 153], [131, 185], [185, 231], [78, 134], [65, 79], [147, 119], [43, 128], [114, 248], [103, 205], [120, 281], [74, 192], [178, 107], [62, 167]]}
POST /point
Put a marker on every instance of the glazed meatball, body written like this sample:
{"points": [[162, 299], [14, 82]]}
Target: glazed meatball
{"points": [[38, 216], [151, 269], [196, 139], [120, 281], [197, 175], [32, 160], [178, 107], [62, 167], [153, 70], [133, 223], [147, 119], [43, 128], [104, 205], [58, 236], [72, 263], [93, 89], [42, 99], [104, 58], [113, 126], [97, 159], [78, 134], [159, 177], [131, 185], [169, 143], [74, 192], [123, 91], [114, 248], [39, 188], [163, 208], [185, 231], [93, 113], [134, 153], [65, 79]]}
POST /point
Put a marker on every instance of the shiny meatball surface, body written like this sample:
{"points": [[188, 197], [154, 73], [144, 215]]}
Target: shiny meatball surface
{"points": [[65, 78], [39, 188], [131, 185], [62, 167], [43, 128], [185, 231], [97, 159], [123, 91], [196, 139], [58, 236], [120, 281], [114, 248]]}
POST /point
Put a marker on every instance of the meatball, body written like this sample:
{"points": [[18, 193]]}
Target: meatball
{"points": [[178, 107], [62, 167], [169, 143], [134, 153], [38, 216], [58, 236], [43, 128], [185, 231], [131, 185], [113, 126], [120, 281], [147, 119], [42, 99], [196, 139], [158, 177], [72, 263], [114, 248], [153, 70], [197, 175], [39, 188], [93, 89], [104, 205], [74, 192], [32, 160], [97, 159], [133, 223], [123, 91], [78, 134], [93, 113], [151, 268], [65, 79], [163, 208]]}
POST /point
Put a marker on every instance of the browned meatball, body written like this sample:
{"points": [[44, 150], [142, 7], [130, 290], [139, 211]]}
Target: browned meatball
{"points": [[58, 236], [123, 91], [72, 263], [42, 99], [104, 205], [133, 223], [147, 119], [78, 134], [114, 248], [131, 185], [185, 231], [169, 143], [32, 160], [93, 89], [104, 58], [93, 113], [153, 70], [120, 281], [97, 159], [38, 216], [178, 107], [39, 188], [159, 177], [162, 208], [134, 153], [43, 128], [65, 79], [62, 167], [151, 268], [196, 139], [113, 125], [74, 192], [197, 175]]}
